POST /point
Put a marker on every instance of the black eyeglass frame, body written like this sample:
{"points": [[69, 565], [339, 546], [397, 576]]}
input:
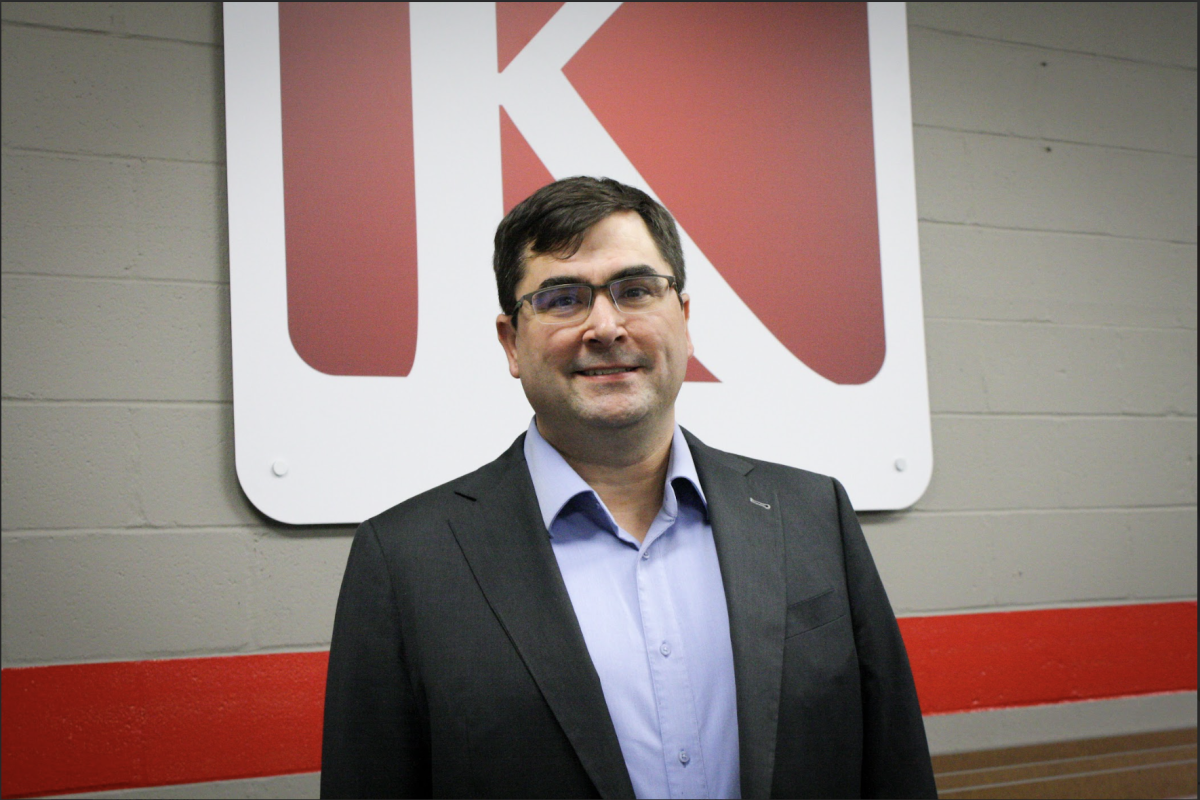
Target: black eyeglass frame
{"points": [[672, 283]]}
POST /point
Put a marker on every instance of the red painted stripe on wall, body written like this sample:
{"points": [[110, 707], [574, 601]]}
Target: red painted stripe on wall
{"points": [[88, 727], [971, 662], [84, 727]]}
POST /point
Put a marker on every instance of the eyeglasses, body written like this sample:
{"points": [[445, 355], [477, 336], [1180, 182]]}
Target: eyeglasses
{"points": [[572, 302]]}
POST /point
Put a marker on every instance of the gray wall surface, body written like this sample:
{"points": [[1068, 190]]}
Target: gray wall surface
{"points": [[1056, 180]]}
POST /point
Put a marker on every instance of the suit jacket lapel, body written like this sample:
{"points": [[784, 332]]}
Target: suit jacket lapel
{"points": [[749, 542], [501, 533]]}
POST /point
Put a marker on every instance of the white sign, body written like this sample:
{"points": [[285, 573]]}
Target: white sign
{"points": [[314, 447]]}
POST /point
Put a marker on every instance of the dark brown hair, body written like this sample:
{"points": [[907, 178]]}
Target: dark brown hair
{"points": [[554, 220]]}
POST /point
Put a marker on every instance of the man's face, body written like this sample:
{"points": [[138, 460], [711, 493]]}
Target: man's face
{"points": [[556, 363]]}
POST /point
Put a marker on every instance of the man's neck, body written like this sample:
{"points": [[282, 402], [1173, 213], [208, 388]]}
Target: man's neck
{"points": [[627, 469]]}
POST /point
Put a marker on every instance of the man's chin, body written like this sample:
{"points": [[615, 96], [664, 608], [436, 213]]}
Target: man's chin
{"points": [[612, 416]]}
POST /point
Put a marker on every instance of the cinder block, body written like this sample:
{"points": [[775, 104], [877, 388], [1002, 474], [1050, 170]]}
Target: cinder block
{"points": [[297, 577], [186, 473], [87, 93], [1063, 557], [67, 339], [83, 215], [970, 272], [69, 466], [932, 563], [96, 465], [69, 215], [189, 22], [1161, 33], [975, 562], [1036, 368], [123, 595], [1001, 181], [1163, 556], [971, 84], [183, 220], [986, 462]]}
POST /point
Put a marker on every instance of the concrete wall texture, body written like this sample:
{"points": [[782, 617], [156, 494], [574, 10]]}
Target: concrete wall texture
{"points": [[1056, 180]]}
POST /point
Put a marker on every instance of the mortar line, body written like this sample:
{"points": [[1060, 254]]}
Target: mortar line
{"points": [[11, 149], [1053, 231], [1004, 512], [1063, 415], [280, 528], [1053, 49], [1073, 142], [120, 279], [1052, 323], [62, 402], [146, 37]]}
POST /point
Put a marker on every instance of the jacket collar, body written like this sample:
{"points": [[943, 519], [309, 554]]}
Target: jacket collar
{"points": [[557, 483]]}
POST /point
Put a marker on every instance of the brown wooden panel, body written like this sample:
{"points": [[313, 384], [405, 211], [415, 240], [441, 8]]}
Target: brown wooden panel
{"points": [[1158, 764], [1070, 766], [1078, 748], [1166, 780]]}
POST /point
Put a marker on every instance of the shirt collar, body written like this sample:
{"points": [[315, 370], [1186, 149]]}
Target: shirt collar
{"points": [[556, 482]]}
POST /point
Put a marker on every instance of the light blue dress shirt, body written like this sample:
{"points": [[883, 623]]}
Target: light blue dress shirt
{"points": [[655, 623]]}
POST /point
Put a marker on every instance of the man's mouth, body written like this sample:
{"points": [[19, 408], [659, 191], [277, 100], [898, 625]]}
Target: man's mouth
{"points": [[605, 371]]}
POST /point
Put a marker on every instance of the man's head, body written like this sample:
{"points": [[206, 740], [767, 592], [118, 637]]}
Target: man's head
{"points": [[615, 365], [554, 219]]}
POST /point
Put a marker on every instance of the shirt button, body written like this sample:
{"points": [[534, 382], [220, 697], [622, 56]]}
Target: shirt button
{"points": [[645, 555], [684, 758], [665, 648]]}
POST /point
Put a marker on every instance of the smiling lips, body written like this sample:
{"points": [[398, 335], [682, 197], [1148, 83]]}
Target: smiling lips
{"points": [[604, 371]]}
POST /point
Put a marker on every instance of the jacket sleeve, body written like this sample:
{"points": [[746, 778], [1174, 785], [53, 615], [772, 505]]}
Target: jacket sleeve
{"points": [[895, 752], [375, 742]]}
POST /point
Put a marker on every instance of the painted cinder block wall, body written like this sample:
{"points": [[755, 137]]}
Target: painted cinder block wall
{"points": [[1056, 179]]}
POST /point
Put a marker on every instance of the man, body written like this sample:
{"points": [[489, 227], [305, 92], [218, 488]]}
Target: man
{"points": [[613, 608]]}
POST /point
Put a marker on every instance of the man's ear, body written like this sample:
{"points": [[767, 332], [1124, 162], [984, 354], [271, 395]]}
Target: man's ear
{"points": [[686, 303], [507, 334]]}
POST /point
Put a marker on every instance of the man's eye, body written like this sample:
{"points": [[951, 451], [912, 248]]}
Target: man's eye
{"points": [[638, 292], [557, 301]]}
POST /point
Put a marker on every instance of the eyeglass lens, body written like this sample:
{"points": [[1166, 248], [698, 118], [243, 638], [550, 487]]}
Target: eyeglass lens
{"points": [[573, 301]]}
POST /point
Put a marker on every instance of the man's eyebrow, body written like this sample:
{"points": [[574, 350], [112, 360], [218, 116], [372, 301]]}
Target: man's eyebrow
{"points": [[627, 272], [559, 280]]}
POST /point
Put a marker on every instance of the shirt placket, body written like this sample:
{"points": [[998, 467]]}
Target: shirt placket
{"points": [[683, 758]]}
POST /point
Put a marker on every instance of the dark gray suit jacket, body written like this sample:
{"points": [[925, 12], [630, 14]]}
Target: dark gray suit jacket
{"points": [[458, 668]]}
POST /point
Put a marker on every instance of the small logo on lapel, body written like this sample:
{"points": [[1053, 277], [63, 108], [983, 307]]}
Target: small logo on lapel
{"points": [[761, 503]]}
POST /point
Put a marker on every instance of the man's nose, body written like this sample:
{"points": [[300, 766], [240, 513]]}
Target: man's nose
{"points": [[605, 323]]}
